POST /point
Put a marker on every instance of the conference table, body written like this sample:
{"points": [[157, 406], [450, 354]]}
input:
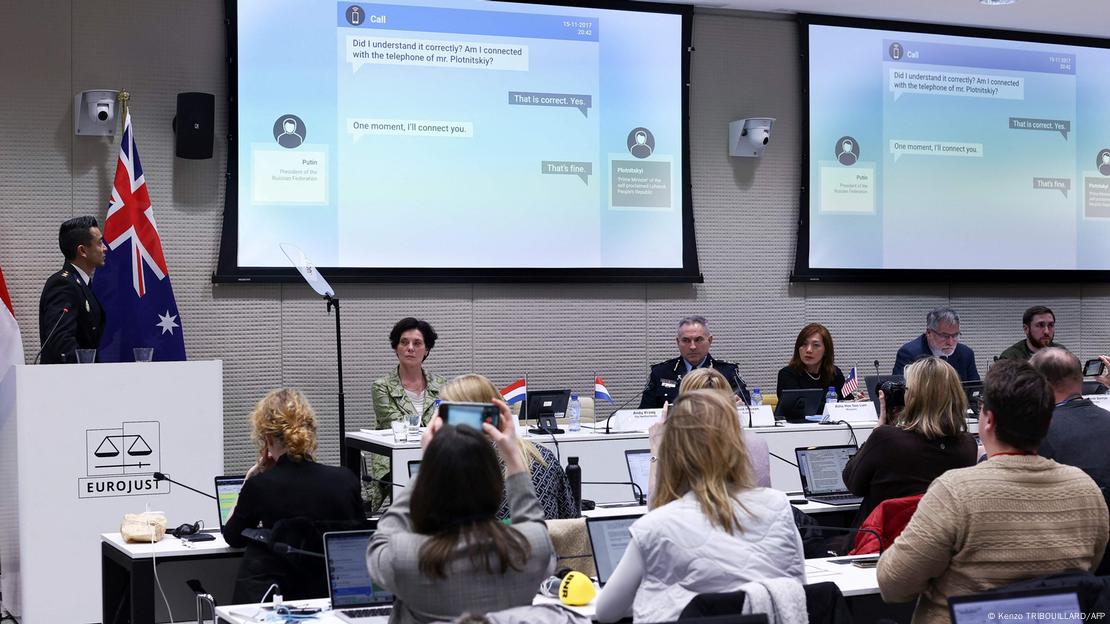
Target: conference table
{"points": [[854, 582], [601, 455]]}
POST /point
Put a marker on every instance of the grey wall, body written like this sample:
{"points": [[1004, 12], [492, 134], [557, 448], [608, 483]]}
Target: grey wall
{"points": [[271, 335]]}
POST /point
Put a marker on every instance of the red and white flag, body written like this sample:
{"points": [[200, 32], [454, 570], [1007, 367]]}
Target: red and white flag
{"points": [[11, 343]]}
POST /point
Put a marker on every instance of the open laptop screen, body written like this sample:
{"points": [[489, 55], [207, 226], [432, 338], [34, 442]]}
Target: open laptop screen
{"points": [[227, 494], [1037, 605], [349, 583], [609, 537], [639, 466], [820, 468]]}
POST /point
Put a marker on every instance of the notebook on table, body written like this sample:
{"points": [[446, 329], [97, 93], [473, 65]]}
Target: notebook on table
{"points": [[354, 597], [820, 468], [609, 537]]}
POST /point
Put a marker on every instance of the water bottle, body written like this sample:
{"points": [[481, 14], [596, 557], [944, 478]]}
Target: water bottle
{"points": [[757, 397], [574, 414], [830, 396], [574, 477]]}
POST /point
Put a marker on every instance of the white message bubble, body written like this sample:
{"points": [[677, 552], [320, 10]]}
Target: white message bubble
{"points": [[359, 128], [370, 50], [954, 84], [901, 147]]}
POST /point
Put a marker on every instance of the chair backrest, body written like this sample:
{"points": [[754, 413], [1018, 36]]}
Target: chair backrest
{"points": [[888, 520], [572, 545], [824, 602]]}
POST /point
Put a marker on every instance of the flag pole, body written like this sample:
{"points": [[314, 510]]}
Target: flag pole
{"points": [[124, 97], [595, 401]]}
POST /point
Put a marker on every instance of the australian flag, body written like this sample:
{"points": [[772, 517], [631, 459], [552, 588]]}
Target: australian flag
{"points": [[133, 286]]}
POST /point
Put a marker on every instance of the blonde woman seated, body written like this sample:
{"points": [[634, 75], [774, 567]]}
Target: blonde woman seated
{"points": [[549, 481], [710, 529], [758, 452], [906, 452], [441, 549]]}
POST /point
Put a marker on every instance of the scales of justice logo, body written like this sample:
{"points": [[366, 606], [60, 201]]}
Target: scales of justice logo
{"points": [[122, 461]]}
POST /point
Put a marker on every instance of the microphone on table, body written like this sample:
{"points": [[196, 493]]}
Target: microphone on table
{"points": [[625, 404], [876, 368], [369, 479], [50, 334], [640, 498], [572, 588], [158, 476], [742, 388], [282, 548]]}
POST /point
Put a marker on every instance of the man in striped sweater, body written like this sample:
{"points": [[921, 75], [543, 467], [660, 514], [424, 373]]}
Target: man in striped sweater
{"points": [[1014, 517]]}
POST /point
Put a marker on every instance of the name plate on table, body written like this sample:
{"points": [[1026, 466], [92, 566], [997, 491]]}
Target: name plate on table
{"points": [[1100, 400], [851, 411], [762, 415], [635, 419]]}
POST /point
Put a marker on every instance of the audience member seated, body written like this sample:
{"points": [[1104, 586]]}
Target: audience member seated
{"points": [[441, 549], [811, 366], [906, 451], [549, 481], [1039, 325], [709, 528], [1015, 516], [408, 389], [758, 452], [284, 486], [942, 339], [1076, 422]]}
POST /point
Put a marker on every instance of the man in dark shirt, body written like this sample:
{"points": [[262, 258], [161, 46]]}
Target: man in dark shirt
{"points": [[942, 339], [1039, 325], [1078, 425], [70, 316], [693, 341]]}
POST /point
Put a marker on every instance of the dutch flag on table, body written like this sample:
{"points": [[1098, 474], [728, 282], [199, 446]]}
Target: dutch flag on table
{"points": [[600, 391], [11, 343], [515, 391], [851, 384]]}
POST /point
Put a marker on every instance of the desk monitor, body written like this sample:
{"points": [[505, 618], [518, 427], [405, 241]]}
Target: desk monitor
{"points": [[1053, 604], [227, 494], [546, 403], [795, 405], [874, 381], [609, 537]]}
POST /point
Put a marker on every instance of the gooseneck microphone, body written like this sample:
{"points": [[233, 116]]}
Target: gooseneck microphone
{"points": [[282, 548], [369, 479], [50, 334], [625, 404], [158, 476], [876, 368]]}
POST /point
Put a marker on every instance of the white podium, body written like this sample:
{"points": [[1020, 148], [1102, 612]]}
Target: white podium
{"points": [[79, 444]]}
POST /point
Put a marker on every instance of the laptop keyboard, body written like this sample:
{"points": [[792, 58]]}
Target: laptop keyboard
{"points": [[367, 613], [837, 496]]}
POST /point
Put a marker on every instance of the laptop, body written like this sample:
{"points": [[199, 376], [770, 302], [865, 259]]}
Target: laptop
{"points": [[354, 597], [1057, 604], [609, 536], [639, 466], [819, 468], [794, 405], [227, 494], [414, 467]]}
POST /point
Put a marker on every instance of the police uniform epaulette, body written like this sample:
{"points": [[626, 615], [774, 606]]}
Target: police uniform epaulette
{"points": [[65, 273], [720, 361]]}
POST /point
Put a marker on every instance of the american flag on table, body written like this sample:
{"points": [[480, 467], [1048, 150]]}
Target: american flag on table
{"points": [[851, 383], [515, 391], [134, 286]]}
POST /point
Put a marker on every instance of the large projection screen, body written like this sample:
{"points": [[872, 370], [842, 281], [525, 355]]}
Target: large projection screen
{"points": [[942, 153], [459, 140]]}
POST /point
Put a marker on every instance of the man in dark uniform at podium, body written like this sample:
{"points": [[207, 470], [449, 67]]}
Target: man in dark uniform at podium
{"points": [[70, 316], [693, 340]]}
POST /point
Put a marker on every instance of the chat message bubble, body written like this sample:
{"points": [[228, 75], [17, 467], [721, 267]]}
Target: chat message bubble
{"points": [[566, 167], [1062, 126], [1056, 184], [371, 50], [568, 100], [955, 84], [903, 147], [359, 128]]}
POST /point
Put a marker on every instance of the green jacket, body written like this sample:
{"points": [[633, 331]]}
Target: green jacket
{"points": [[1020, 350], [392, 404]]}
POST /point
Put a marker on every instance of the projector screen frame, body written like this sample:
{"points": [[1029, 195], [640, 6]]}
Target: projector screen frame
{"points": [[229, 271], [803, 273]]}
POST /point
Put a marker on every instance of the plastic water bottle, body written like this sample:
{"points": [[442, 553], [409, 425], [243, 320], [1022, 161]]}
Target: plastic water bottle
{"points": [[830, 396], [757, 397], [574, 414]]}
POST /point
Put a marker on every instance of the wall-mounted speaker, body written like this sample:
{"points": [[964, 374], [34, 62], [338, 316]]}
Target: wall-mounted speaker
{"points": [[193, 125]]}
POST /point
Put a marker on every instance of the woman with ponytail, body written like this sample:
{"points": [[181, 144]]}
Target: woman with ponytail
{"points": [[286, 485]]}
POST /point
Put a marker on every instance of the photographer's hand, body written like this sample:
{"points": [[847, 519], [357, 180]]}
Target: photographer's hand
{"points": [[882, 408], [505, 440]]}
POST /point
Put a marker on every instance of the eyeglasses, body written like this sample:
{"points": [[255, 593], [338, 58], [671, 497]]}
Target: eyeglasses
{"points": [[946, 335]]}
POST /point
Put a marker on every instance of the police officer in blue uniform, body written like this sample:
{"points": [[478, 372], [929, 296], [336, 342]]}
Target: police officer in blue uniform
{"points": [[694, 341], [70, 316]]}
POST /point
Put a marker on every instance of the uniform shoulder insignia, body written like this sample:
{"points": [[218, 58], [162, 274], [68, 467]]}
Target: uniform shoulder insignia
{"points": [[65, 273], [725, 362]]}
